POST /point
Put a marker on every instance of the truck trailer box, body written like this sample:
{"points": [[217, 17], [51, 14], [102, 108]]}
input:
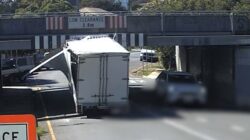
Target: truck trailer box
{"points": [[100, 68]]}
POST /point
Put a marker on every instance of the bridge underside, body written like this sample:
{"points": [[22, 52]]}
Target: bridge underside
{"points": [[222, 62], [218, 60], [211, 40]]}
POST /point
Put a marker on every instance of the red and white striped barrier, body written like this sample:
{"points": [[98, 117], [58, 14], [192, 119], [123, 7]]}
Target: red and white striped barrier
{"points": [[56, 41], [116, 22], [54, 23]]}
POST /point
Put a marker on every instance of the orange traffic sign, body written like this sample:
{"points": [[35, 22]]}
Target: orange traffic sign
{"points": [[17, 127]]}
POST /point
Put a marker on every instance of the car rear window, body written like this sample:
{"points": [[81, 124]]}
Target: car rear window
{"points": [[181, 79], [148, 54]]}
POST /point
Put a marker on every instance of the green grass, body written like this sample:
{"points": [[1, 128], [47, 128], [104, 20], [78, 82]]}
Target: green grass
{"points": [[40, 131], [148, 69]]}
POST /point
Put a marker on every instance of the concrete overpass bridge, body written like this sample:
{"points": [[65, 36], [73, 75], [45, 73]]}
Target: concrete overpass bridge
{"points": [[133, 29], [212, 46]]}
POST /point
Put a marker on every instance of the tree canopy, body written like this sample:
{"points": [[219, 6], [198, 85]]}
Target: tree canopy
{"points": [[108, 5], [243, 7], [195, 5], [38, 6], [8, 6], [41, 6]]}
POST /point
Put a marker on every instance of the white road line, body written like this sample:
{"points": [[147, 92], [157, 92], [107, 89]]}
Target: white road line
{"points": [[67, 120], [181, 127], [237, 128], [201, 120], [188, 130]]}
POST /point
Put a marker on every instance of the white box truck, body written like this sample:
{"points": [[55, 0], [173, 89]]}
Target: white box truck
{"points": [[100, 71], [99, 67]]}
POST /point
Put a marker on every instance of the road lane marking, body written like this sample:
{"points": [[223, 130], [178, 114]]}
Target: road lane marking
{"points": [[188, 130], [201, 120], [181, 127], [237, 128], [67, 120], [51, 132]]}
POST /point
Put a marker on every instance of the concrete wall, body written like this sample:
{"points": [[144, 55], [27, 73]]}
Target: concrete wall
{"points": [[197, 23], [242, 76], [199, 40], [215, 67], [153, 24], [15, 45], [146, 24], [194, 60], [24, 26], [223, 74], [241, 25]]}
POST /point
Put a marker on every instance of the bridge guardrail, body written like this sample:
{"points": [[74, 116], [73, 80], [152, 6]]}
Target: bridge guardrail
{"points": [[172, 22], [134, 13]]}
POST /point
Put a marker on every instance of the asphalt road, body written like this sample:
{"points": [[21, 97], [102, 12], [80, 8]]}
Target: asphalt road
{"points": [[144, 122], [134, 60], [156, 123]]}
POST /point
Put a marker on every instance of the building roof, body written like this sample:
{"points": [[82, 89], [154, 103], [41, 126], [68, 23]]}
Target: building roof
{"points": [[94, 11]]}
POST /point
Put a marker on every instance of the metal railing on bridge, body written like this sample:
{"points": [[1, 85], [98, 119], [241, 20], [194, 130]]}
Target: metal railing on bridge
{"points": [[153, 23], [134, 13]]}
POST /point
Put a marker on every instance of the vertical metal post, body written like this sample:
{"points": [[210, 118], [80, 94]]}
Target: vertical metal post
{"points": [[232, 22], [77, 5], [147, 59], [1, 78], [130, 5], [162, 22], [142, 61]]}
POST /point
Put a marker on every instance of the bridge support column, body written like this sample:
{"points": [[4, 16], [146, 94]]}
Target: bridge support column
{"points": [[180, 57]]}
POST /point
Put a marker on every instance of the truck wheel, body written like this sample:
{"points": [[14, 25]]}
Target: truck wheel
{"points": [[80, 110]]}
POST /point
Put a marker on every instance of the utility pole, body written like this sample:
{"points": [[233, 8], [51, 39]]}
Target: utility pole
{"points": [[130, 5], [77, 5]]}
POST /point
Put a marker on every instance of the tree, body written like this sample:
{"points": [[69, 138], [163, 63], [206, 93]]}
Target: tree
{"points": [[242, 7], [38, 6], [108, 5], [167, 57], [8, 6], [56, 6], [191, 5]]}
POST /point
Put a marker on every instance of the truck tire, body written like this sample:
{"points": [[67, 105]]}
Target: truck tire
{"points": [[80, 110]]}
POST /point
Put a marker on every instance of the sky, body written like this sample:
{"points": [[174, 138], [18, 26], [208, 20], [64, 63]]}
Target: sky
{"points": [[124, 3]]}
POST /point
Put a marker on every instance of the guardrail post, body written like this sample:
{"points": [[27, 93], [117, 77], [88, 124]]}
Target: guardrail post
{"points": [[162, 23], [232, 22]]}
